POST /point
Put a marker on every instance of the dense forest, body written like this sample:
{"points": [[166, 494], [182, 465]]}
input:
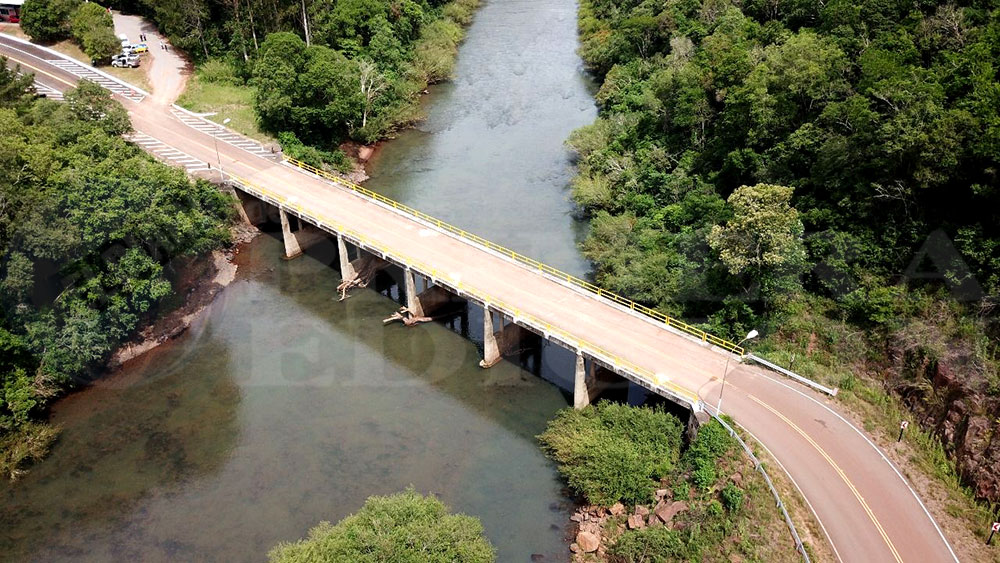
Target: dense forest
{"points": [[826, 172], [323, 71], [89, 226]]}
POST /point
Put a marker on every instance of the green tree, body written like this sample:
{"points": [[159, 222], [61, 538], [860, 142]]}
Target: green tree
{"points": [[763, 239], [102, 221], [93, 28], [47, 20], [405, 527]]}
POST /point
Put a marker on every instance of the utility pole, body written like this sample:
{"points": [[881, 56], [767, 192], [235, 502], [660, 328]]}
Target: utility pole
{"points": [[750, 335], [222, 173], [305, 23]]}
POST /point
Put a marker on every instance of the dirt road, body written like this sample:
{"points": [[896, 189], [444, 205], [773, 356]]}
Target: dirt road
{"points": [[168, 70]]}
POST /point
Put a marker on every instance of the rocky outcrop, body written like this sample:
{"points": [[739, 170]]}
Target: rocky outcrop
{"points": [[953, 396]]}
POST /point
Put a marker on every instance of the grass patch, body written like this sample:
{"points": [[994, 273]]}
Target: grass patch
{"points": [[226, 99]]}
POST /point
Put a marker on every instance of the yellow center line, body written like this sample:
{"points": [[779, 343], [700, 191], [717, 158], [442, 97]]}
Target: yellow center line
{"points": [[839, 471], [36, 69]]}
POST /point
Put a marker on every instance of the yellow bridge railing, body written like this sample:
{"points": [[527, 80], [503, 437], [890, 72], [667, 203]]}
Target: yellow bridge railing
{"points": [[569, 338], [524, 260]]}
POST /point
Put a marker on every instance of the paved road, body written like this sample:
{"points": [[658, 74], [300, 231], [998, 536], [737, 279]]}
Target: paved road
{"points": [[865, 506]]}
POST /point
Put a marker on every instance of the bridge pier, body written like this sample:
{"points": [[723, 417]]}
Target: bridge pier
{"points": [[501, 343], [589, 384], [431, 303], [293, 248], [297, 234], [413, 301], [346, 269]]}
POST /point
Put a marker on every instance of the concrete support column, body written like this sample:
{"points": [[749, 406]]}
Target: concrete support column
{"points": [[346, 269], [581, 395], [491, 350], [292, 246], [412, 300]]}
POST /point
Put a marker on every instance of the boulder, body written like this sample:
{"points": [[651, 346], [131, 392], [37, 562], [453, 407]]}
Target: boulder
{"points": [[617, 509], [588, 542], [660, 493], [635, 522], [576, 517], [574, 547], [642, 511], [666, 513]]}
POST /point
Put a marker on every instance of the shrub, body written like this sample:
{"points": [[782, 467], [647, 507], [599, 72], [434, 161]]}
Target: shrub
{"points": [[218, 71], [650, 545], [612, 452], [681, 490], [732, 497], [47, 20], [94, 30], [713, 442], [293, 147], [405, 527], [20, 448]]}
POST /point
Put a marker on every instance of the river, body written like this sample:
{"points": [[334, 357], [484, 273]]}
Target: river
{"points": [[283, 407]]}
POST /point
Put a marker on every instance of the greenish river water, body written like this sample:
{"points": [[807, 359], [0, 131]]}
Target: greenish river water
{"points": [[283, 407]]}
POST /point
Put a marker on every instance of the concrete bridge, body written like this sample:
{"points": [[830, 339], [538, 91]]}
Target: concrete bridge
{"points": [[509, 318], [862, 502]]}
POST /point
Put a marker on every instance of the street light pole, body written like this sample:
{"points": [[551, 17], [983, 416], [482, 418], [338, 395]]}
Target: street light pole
{"points": [[750, 335], [222, 174]]}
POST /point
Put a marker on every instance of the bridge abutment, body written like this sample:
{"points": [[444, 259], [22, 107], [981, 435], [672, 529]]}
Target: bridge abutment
{"points": [[695, 420], [251, 209]]}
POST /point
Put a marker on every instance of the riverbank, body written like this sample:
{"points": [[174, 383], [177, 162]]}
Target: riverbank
{"points": [[199, 280], [390, 99]]}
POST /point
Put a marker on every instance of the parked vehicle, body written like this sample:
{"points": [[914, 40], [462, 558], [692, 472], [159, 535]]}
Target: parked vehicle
{"points": [[140, 48], [123, 60]]}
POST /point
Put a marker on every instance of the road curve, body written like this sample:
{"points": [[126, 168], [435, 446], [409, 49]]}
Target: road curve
{"points": [[867, 509]]}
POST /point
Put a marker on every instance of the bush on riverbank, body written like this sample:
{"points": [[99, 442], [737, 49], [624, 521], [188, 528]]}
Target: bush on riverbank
{"points": [[705, 504], [405, 527], [611, 452]]}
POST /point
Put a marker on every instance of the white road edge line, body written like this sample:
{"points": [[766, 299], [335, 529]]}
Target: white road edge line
{"points": [[880, 453]]}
